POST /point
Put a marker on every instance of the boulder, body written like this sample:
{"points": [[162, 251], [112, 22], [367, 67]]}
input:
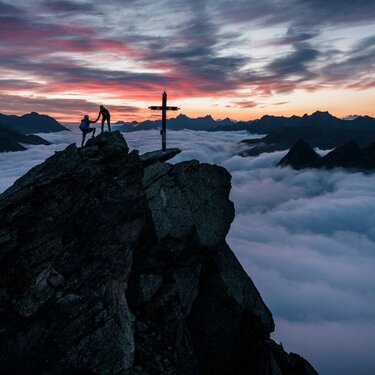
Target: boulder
{"points": [[154, 156]]}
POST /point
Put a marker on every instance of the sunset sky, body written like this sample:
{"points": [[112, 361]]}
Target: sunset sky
{"points": [[239, 59]]}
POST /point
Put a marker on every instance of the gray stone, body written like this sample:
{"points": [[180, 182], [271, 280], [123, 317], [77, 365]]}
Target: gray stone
{"points": [[155, 156]]}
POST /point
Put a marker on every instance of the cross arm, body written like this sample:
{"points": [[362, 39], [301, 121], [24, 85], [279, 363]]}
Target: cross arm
{"points": [[160, 108]]}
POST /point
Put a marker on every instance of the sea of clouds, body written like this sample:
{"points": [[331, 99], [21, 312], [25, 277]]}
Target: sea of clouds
{"points": [[306, 238]]}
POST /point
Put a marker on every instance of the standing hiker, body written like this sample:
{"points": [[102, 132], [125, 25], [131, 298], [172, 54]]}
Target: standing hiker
{"points": [[106, 116], [85, 128]]}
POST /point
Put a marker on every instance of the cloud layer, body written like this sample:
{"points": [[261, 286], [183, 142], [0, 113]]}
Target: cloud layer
{"points": [[307, 239]]}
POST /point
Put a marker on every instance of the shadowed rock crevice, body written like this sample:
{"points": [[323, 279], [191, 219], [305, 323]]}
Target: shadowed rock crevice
{"points": [[109, 265]]}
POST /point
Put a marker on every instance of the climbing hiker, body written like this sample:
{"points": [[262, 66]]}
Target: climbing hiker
{"points": [[85, 128], [106, 116]]}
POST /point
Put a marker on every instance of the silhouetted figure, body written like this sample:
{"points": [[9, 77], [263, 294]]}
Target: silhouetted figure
{"points": [[106, 116], [85, 128]]}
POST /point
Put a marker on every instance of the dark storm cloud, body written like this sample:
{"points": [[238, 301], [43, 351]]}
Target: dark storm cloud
{"points": [[354, 66], [295, 63], [293, 35], [68, 6], [298, 12], [195, 53], [340, 11], [10, 10], [365, 44], [15, 84]]}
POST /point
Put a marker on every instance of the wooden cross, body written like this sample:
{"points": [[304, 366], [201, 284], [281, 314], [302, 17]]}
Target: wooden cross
{"points": [[164, 108]]}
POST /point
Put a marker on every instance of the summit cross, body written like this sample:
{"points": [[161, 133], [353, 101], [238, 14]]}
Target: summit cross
{"points": [[164, 108]]}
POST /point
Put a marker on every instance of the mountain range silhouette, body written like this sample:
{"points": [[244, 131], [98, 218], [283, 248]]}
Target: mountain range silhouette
{"points": [[349, 156]]}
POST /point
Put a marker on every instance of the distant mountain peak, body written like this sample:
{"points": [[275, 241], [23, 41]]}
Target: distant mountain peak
{"points": [[321, 114], [31, 123], [33, 114], [350, 117], [301, 155]]}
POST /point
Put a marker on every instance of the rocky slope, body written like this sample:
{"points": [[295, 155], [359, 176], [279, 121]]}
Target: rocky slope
{"points": [[349, 156], [114, 265]]}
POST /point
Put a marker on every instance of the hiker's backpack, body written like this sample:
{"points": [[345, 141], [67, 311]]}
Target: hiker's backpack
{"points": [[84, 124]]}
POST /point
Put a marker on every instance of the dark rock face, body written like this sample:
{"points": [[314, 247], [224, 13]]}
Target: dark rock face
{"points": [[301, 155], [348, 156], [112, 267]]}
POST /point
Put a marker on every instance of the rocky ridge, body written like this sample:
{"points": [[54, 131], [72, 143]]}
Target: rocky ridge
{"points": [[113, 265], [349, 156], [31, 123], [13, 141], [321, 130]]}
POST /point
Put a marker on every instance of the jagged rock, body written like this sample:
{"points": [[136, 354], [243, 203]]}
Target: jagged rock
{"points": [[301, 155], [154, 156], [109, 266], [82, 219]]}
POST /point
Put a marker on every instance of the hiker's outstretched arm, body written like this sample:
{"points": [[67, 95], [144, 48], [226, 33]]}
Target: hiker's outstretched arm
{"points": [[97, 117]]}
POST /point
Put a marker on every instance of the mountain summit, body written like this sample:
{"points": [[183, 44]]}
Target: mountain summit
{"points": [[112, 263]]}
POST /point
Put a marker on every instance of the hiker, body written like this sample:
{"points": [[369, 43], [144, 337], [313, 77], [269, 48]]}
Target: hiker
{"points": [[106, 116], [85, 128]]}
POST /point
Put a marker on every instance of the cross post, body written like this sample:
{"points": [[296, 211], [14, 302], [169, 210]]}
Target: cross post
{"points": [[164, 108]]}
